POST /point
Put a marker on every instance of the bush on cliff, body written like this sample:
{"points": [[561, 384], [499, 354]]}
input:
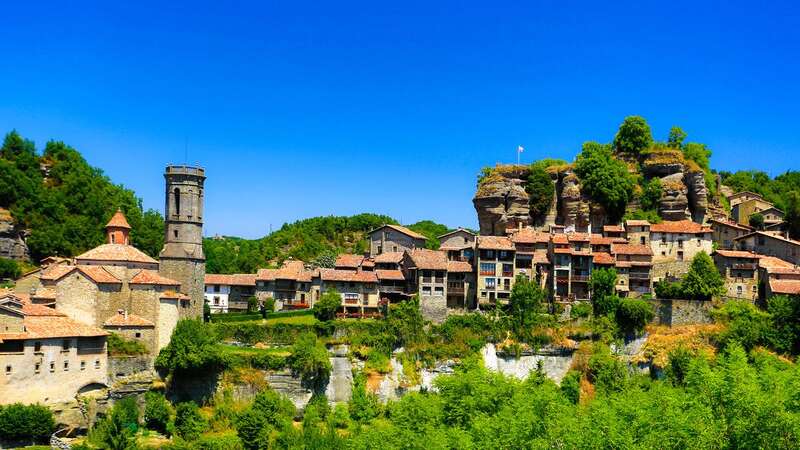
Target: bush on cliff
{"points": [[26, 423], [191, 348]]}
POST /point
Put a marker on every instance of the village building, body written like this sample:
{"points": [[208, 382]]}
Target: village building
{"points": [[674, 244], [571, 254], [745, 204], [45, 356], [778, 277], [725, 232], [532, 258], [229, 293], [740, 270], [290, 286], [426, 272], [459, 245], [614, 231], [394, 238], [772, 217], [633, 263], [770, 244], [638, 232], [495, 264], [358, 289]]}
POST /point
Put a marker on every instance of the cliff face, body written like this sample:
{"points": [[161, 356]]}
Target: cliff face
{"points": [[12, 240], [501, 201]]}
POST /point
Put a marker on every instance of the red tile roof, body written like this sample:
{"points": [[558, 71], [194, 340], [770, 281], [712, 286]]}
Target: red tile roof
{"points": [[116, 253], [603, 258], [776, 265], [732, 224], [530, 236], [391, 275], [737, 254], [425, 259], [637, 223], [118, 221], [495, 243], [769, 235], [41, 322], [235, 279], [560, 238], [579, 237], [146, 276], [389, 258], [679, 226], [123, 319], [613, 229], [173, 295], [599, 239], [352, 276], [98, 274], [789, 287], [459, 229], [541, 257], [291, 269], [630, 249], [348, 260], [401, 229], [459, 267]]}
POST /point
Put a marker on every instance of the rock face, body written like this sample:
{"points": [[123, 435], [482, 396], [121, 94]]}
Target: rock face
{"points": [[574, 210], [12, 240], [697, 194], [501, 201], [674, 204]]}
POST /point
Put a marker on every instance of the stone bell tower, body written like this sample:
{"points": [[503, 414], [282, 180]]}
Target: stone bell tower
{"points": [[182, 258]]}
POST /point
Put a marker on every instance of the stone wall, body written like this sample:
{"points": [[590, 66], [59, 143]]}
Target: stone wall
{"points": [[125, 367], [681, 312], [12, 240], [433, 307]]}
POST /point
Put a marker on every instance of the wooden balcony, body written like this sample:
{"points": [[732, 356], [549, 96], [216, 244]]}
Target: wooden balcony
{"points": [[580, 278], [639, 275], [90, 350], [392, 289], [744, 266]]}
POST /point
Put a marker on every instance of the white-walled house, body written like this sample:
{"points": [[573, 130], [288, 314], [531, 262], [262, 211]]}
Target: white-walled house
{"points": [[229, 293]]}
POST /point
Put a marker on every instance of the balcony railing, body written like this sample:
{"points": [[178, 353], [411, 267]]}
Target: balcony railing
{"points": [[390, 289], [639, 276], [487, 273], [580, 278], [237, 305], [439, 280], [427, 279], [562, 279], [509, 273], [744, 266]]}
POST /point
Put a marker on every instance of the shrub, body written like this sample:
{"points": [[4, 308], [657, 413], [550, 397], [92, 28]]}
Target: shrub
{"points": [[223, 441], [157, 412], [191, 348], [606, 305], [571, 386], [118, 345], [9, 269], [310, 358], [325, 308], [678, 363], [252, 305], [580, 310], [669, 290], [116, 431], [746, 325], [540, 191], [189, 424], [633, 314], [604, 178], [703, 280], [363, 405], [633, 136], [606, 371], [20, 422]]}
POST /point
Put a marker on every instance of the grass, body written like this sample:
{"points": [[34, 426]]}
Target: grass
{"points": [[307, 319]]}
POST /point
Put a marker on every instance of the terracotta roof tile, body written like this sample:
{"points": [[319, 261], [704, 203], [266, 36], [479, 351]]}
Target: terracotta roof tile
{"points": [[428, 259], [459, 267], [236, 279], [291, 269], [456, 231], [560, 238], [123, 319], [770, 235], [146, 276], [776, 265], [613, 229], [174, 295], [42, 322], [789, 287], [637, 223], [631, 249], [389, 258], [390, 275], [679, 226], [530, 236], [579, 237], [599, 239], [401, 229], [541, 257], [98, 274], [353, 276], [732, 224], [737, 254], [348, 260], [603, 258], [116, 253], [118, 221], [495, 243]]}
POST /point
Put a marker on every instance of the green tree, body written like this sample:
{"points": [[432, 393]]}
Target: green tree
{"points": [[703, 280], [604, 178], [117, 430], [784, 334], [571, 386], [602, 284], [193, 347], [325, 308], [746, 325], [524, 303], [157, 412], [634, 135], [633, 314], [430, 230], [9, 269], [651, 194], [363, 405], [792, 210], [676, 137], [189, 424], [698, 153], [540, 189], [756, 221], [405, 322], [309, 358], [27, 423]]}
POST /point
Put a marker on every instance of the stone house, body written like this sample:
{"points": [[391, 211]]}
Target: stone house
{"points": [[358, 288], [572, 259], [772, 216], [777, 276], [532, 256], [740, 270], [675, 244], [745, 205], [226, 293], [392, 283], [634, 264], [394, 238], [461, 292], [131, 327], [770, 244], [459, 245], [614, 231], [724, 232], [496, 268], [638, 231], [426, 272], [290, 285], [47, 357]]}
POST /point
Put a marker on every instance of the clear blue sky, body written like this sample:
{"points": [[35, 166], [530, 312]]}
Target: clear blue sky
{"points": [[300, 109]]}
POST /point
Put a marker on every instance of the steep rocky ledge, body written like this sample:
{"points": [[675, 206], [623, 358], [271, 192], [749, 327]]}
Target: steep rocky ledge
{"points": [[12, 240]]}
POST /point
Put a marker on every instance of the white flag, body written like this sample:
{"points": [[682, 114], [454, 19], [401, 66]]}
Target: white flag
{"points": [[520, 149]]}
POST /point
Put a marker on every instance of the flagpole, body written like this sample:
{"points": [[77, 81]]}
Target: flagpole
{"points": [[517, 155]]}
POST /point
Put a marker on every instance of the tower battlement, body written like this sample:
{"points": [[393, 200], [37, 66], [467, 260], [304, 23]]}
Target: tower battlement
{"points": [[179, 169]]}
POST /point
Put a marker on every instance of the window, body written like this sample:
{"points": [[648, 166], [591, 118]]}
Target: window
{"points": [[177, 194], [113, 239], [664, 239], [216, 300], [426, 290], [438, 290], [216, 288], [66, 365], [65, 345], [483, 294], [37, 346], [8, 369], [739, 290], [52, 366], [680, 256], [37, 368], [379, 250], [138, 335], [175, 233], [699, 242], [663, 253], [96, 363], [394, 248], [641, 240], [491, 283], [487, 269], [83, 365]]}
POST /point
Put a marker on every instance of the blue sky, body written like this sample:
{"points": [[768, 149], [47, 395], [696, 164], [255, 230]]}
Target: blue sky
{"points": [[298, 109]]}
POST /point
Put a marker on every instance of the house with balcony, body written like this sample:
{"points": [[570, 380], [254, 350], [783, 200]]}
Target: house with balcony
{"points": [[770, 244], [394, 238], [614, 231], [290, 285], [740, 270], [778, 277], [229, 293], [495, 264], [638, 232], [725, 232], [532, 258], [426, 272], [358, 288], [634, 263], [571, 255], [674, 244], [459, 245]]}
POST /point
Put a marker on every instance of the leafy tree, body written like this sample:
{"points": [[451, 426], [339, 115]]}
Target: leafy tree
{"points": [[604, 178], [676, 137], [607, 372], [746, 325], [651, 194], [634, 135], [157, 412], [792, 211], [606, 305], [678, 365], [602, 284], [430, 230], [703, 280], [756, 221], [309, 358], [633, 314], [669, 290], [405, 322], [540, 191], [117, 430], [27, 423], [524, 303], [698, 153], [784, 334], [193, 347], [363, 405], [325, 308], [571, 386], [9, 269], [189, 424]]}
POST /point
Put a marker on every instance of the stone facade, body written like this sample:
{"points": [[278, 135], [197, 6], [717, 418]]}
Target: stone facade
{"points": [[766, 243], [12, 239], [394, 238], [681, 312]]}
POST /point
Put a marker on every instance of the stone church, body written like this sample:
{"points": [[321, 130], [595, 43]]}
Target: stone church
{"points": [[119, 288]]}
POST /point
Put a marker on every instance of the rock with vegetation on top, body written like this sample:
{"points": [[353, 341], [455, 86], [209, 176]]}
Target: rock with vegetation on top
{"points": [[12, 240], [674, 204], [501, 200]]}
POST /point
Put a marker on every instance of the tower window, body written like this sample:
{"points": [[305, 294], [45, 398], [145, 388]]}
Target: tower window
{"points": [[177, 194], [175, 232]]}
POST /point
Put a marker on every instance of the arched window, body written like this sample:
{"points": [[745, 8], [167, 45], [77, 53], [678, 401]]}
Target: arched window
{"points": [[177, 194]]}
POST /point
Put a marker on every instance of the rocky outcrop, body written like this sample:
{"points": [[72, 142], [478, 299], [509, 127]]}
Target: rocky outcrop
{"points": [[501, 200], [697, 194], [12, 239], [574, 206], [674, 204]]}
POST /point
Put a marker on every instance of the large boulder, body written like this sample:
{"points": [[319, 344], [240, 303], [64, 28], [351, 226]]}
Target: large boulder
{"points": [[501, 201], [674, 203], [697, 194], [575, 210]]}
